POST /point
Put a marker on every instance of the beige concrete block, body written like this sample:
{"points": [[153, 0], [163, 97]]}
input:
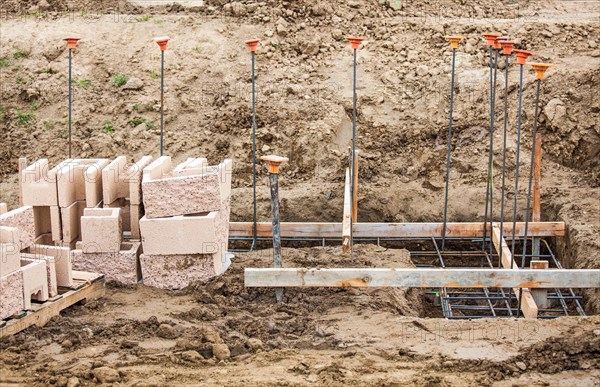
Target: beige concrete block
{"points": [[70, 220], [123, 204], [180, 235], [135, 179], [181, 195], [176, 271], [39, 185], [3, 208], [121, 266], [55, 223], [225, 172], [192, 166], [160, 167], [42, 219], [23, 219], [35, 282], [74, 182], [50, 270], [45, 239], [11, 294], [114, 185], [93, 183], [62, 261], [136, 213], [222, 258], [101, 230], [10, 258], [9, 235]]}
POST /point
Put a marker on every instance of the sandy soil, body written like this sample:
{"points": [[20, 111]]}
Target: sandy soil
{"points": [[304, 112]]}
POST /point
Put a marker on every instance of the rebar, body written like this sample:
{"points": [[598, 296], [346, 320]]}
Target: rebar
{"points": [[352, 171], [254, 215], [70, 101], [502, 190], [276, 232], [162, 100]]}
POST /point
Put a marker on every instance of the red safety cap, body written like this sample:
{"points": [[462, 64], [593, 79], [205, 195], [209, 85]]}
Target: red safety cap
{"points": [[355, 41], [72, 42], [522, 56], [252, 43], [162, 42]]}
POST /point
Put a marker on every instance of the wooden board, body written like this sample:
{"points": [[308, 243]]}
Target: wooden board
{"points": [[422, 278], [86, 286], [391, 230], [355, 185], [528, 305], [347, 217]]}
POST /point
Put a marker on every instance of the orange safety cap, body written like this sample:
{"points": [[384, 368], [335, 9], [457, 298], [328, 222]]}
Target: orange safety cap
{"points": [[454, 40], [490, 38], [507, 46], [540, 69], [72, 42], [252, 43], [498, 42], [522, 56], [355, 41], [274, 161], [162, 42]]}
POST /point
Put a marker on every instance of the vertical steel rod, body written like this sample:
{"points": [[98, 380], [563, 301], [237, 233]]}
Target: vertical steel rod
{"points": [[490, 183], [503, 157], [162, 99], [352, 171], [449, 147], [276, 233], [254, 215], [70, 101]]}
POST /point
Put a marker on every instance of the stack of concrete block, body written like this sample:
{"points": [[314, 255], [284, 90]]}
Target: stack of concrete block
{"points": [[122, 188], [185, 229], [23, 277], [102, 250]]}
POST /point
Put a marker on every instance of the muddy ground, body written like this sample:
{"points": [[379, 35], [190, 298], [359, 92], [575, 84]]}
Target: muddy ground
{"points": [[304, 85]]}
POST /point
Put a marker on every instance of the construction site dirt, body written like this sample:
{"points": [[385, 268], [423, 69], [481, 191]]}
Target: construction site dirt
{"points": [[223, 333]]}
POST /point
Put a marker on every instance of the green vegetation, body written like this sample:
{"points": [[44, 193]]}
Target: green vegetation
{"points": [[108, 128], [135, 107], [20, 81], [20, 54], [35, 105], [146, 17], [2, 114], [120, 79], [198, 49], [48, 125], [140, 120], [4, 63], [84, 83], [153, 74], [25, 119]]}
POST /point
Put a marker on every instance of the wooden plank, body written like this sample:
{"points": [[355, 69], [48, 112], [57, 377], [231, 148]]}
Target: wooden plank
{"points": [[391, 230], [422, 278], [355, 185], [528, 305], [48, 310], [346, 220]]}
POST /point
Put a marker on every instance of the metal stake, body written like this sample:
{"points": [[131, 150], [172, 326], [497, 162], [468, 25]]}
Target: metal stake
{"points": [[72, 44], [274, 162], [253, 43], [162, 43], [355, 44], [454, 40]]}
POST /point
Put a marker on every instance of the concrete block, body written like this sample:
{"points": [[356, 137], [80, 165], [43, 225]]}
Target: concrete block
{"points": [[93, 183], [135, 174], [39, 185], [62, 261], [23, 219], [221, 258], [121, 266], [55, 223], [192, 166], [101, 230], [114, 185], [35, 282], [50, 270], [74, 183], [123, 204], [10, 258], [3, 208], [160, 167], [11, 294], [176, 271], [225, 172], [70, 217], [136, 213], [9, 235], [180, 235], [42, 219]]}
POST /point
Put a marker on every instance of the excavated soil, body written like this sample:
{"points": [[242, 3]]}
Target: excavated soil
{"points": [[143, 336]]}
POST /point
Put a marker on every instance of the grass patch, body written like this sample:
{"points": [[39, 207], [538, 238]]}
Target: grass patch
{"points": [[135, 121], [120, 79], [4, 63], [25, 118], [48, 125], [20, 54], [20, 81], [84, 83], [135, 107], [153, 74], [146, 17], [35, 105], [107, 127]]}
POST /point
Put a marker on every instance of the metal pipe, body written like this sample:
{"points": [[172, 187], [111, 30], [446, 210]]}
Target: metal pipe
{"points": [[254, 215], [352, 171], [70, 101], [503, 156], [162, 100]]}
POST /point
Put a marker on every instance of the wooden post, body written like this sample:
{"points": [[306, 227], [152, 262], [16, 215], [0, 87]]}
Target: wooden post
{"points": [[537, 196], [540, 296], [346, 224], [22, 167]]}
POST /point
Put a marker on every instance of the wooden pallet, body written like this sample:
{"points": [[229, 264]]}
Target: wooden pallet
{"points": [[86, 286]]}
